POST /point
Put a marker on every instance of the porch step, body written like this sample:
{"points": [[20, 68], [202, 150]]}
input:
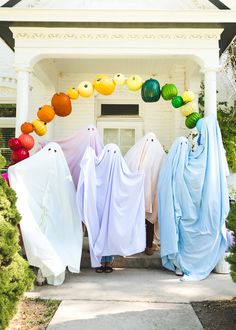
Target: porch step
{"points": [[140, 260]]}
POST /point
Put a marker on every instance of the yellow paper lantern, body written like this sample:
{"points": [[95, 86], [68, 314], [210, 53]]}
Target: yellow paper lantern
{"points": [[39, 127], [73, 93], [187, 109], [104, 85], [119, 79], [134, 83], [188, 96], [85, 89]]}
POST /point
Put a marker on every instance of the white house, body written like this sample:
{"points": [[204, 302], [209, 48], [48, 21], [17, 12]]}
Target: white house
{"points": [[58, 44]]}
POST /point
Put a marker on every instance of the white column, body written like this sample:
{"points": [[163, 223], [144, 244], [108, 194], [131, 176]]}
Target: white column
{"points": [[210, 91], [22, 97]]}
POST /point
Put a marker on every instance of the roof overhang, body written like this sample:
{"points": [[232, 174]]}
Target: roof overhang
{"points": [[118, 18], [128, 16]]}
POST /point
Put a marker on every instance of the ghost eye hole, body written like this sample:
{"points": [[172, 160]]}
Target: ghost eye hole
{"points": [[108, 150], [152, 140], [93, 129], [88, 129], [55, 150], [49, 149], [181, 143], [114, 151], [186, 142]]}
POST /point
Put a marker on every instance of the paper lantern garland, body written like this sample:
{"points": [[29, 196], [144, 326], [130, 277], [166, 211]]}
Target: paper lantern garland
{"points": [[61, 105]]}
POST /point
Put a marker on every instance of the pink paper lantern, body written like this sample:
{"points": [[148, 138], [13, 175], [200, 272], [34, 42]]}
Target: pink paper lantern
{"points": [[27, 141]]}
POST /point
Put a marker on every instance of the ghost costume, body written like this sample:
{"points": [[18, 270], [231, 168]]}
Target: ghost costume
{"points": [[147, 155], [75, 146], [193, 204], [50, 224], [111, 201]]}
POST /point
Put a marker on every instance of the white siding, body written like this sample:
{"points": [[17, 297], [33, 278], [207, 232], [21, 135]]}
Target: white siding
{"points": [[159, 117]]}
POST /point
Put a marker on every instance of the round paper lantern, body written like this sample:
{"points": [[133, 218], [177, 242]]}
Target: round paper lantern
{"points": [[199, 125], [85, 89], [39, 127], [134, 83], [169, 91], [19, 155], [104, 85], [188, 96], [187, 109], [27, 128], [73, 93], [27, 141], [14, 144], [46, 113], [151, 91], [61, 104], [192, 119], [119, 79], [177, 101]]}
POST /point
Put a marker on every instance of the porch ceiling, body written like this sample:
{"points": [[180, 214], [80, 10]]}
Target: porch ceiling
{"points": [[152, 66]]}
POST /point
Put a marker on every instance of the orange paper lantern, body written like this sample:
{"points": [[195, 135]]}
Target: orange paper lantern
{"points": [[46, 113], [61, 104], [27, 128]]}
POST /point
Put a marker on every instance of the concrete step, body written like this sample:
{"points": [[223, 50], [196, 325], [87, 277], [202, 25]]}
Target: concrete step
{"points": [[140, 260]]}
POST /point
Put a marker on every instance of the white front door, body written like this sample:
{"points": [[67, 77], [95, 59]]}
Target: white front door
{"points": [[123, 137]]}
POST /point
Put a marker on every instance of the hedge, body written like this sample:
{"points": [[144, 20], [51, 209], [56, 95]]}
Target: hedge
{"points": [[15, 274]]}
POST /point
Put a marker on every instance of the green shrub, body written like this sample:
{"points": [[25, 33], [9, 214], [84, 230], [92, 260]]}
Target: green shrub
{"points": [[15, 275], [231, 224]]}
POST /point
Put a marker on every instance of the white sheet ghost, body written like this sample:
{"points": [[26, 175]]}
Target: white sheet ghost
{"points": [[147, 156], [50, 224], [74, 147], [111, 201]]}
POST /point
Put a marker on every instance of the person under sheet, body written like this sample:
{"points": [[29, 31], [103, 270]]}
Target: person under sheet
{"points": [[75, 146], [50, 224], [147, 155], [193, 204], [110, 199]]}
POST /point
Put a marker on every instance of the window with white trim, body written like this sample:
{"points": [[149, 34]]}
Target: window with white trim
{"points": [[7, 128], [120, 123]]}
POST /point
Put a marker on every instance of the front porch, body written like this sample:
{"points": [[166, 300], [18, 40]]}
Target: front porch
{"points": [[60, 58]]}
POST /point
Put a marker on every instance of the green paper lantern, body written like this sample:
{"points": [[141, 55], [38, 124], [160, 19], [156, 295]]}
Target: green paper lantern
{"points": [[169, 91], [177, 101], [151, 91], [192, 120]]}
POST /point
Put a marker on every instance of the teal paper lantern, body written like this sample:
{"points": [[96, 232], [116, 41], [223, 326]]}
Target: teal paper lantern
{"points": [[151, 91]]}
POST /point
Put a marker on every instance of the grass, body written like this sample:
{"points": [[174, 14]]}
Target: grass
{"points": [[34, 314]]}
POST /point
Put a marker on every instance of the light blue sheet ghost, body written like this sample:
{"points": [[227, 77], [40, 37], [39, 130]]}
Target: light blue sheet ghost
{"points": [[193, 204]]}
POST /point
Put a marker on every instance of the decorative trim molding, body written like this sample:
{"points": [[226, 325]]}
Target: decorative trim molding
{"points": [[117, 35]]}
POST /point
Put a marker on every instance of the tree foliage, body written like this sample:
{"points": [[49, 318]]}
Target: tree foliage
{"points": [[15, 275]]}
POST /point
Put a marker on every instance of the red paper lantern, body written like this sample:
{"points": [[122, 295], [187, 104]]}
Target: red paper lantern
{"points": [[14, 144], [19, 155], [27, 141]]}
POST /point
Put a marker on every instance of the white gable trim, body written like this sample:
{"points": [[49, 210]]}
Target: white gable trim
{"points": [[115, 16]]}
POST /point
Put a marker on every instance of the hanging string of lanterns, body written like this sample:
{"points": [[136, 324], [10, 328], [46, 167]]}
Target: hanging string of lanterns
{"points": [[151, 91]]}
